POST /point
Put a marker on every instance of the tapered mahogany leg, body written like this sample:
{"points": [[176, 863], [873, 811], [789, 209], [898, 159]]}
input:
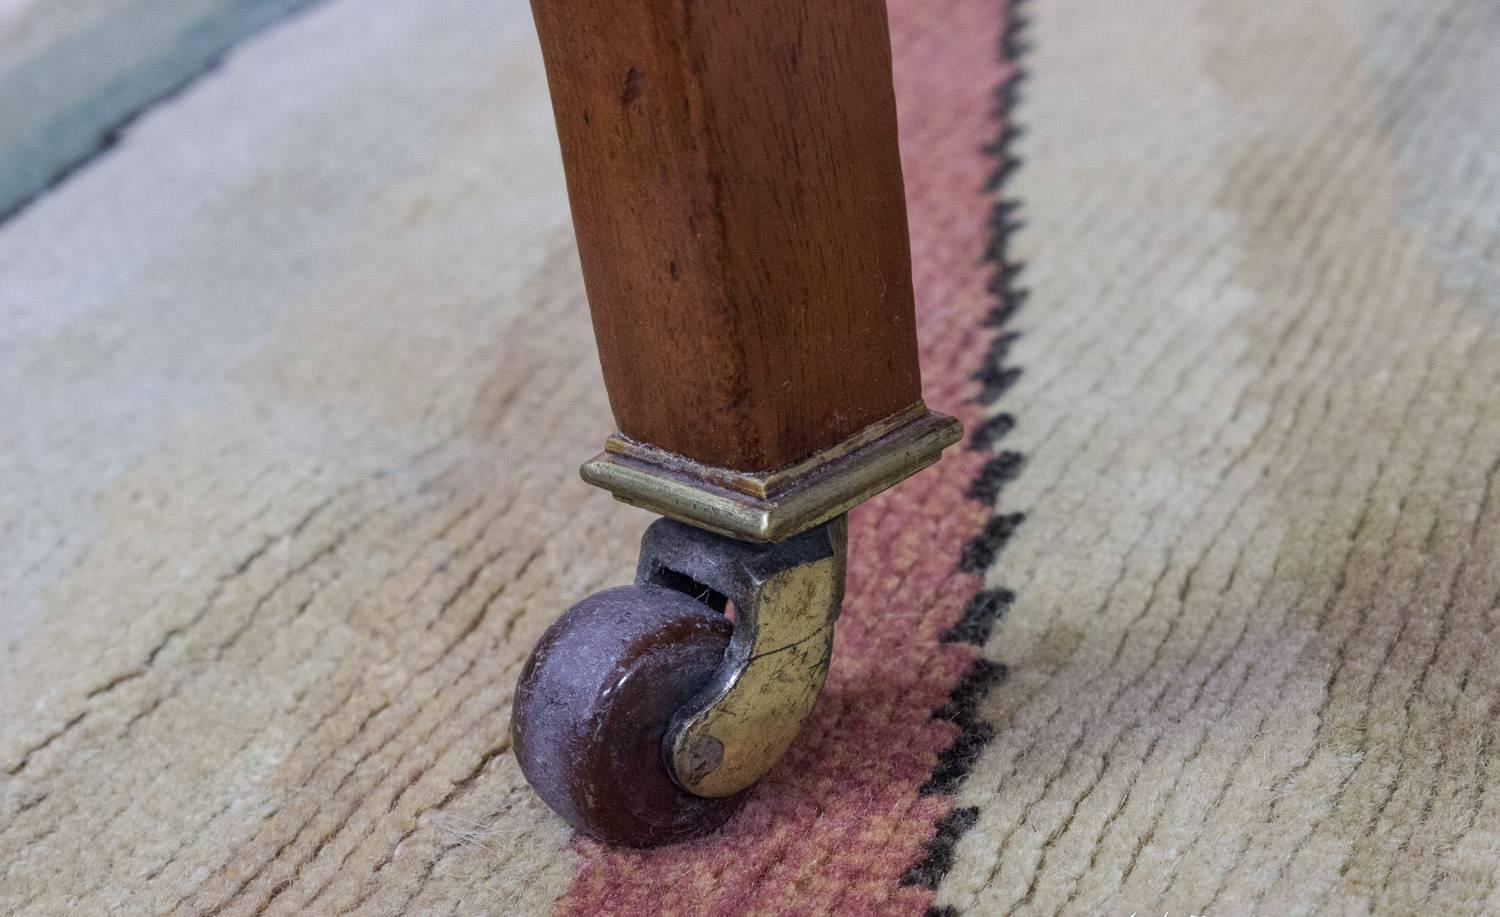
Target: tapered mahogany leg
{"points": [[737, 197]]}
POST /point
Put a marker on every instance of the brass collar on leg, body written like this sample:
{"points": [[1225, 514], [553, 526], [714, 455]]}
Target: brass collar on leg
{"points": [[774, 505]]}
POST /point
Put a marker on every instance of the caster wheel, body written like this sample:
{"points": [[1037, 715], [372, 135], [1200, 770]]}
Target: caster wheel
{"points": [[595, 701]]}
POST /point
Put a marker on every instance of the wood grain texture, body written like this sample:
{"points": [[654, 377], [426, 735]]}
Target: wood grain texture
{"points": [[737, 196]]}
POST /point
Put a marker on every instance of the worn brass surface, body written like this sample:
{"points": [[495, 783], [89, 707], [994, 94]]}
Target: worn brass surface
{"points": [[786, 598], [779, 504], [747, 726]]}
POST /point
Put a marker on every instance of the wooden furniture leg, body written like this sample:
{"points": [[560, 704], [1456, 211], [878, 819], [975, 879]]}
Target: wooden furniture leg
{"points": [[737, 197]]}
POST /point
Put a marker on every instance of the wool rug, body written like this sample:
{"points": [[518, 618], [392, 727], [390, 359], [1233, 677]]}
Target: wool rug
{"points": [[1201, 618]]}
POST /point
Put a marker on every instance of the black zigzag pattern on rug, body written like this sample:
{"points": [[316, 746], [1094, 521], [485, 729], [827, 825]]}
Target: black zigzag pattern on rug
{"points": [[995, 377]]}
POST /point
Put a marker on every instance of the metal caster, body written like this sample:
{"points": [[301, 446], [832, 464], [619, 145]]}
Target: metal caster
{"points": [[644, 714]]}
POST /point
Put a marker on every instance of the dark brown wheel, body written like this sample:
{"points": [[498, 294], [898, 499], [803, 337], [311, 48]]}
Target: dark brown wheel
{"points": [[594, 701]]}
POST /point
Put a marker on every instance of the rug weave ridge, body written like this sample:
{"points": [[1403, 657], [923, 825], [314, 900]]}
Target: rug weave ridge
{"points": [[1251, 653], [1203, 618]]}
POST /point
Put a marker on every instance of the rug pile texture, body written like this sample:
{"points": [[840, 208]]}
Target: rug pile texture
{"points": [[1202, 618]]}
